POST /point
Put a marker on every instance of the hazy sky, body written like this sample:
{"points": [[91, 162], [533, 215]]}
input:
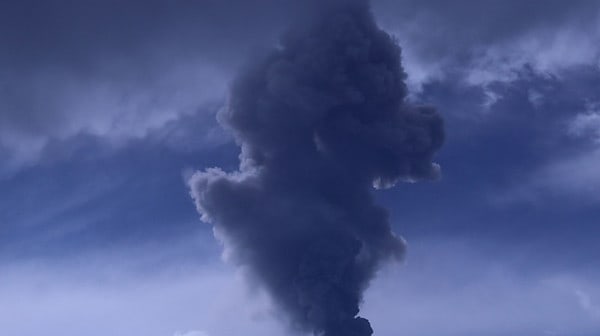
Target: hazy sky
{"points": [[107, 107]]}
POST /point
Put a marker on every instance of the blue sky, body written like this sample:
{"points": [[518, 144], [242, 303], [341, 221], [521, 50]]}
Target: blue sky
{"points": [[107, 108]]}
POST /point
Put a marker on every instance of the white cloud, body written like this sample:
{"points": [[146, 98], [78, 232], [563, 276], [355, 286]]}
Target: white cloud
{"points": [[447, 288], [454, 45], [548, 51], [110, 296], [190, 333], [576, 176], [451, 288], [585, 301], [571, 178], [587, 123]]}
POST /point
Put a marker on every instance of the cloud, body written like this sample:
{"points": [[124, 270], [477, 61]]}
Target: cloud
{"points": [[569, 172], [118, 70], [455, 287], [572, 178], [123, 294], [587, 304], [472, 38], [115, 70], [576, 176], [191, 333], [116, 107], [587, 123], [447, 287]]}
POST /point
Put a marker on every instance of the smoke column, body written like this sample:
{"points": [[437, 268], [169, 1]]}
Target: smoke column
{"points": [[321, 121]]}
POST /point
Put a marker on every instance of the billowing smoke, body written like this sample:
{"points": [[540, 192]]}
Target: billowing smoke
{"points": [[321, 120]]}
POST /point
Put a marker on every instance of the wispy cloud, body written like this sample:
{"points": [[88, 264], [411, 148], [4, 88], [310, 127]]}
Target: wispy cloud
{"points": [[587, 123], [470, 40], [190, 333], [585, 301], [119, 296], [455, 289]]}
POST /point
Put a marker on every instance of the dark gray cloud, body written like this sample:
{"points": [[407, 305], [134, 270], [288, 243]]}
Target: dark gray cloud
{"points": [[320, 120]]}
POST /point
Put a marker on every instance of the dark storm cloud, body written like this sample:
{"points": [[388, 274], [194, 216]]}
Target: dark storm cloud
{"points": [[320, 120]]}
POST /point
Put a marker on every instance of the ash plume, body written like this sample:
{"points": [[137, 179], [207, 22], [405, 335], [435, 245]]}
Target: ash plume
{"points": [[321, 120]]}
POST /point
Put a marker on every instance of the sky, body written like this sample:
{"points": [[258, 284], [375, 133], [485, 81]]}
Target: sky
{"points": [[107, 108]]}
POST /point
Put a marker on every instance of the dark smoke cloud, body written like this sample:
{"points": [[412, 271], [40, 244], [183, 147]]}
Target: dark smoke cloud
{"points": [[320, 121]]}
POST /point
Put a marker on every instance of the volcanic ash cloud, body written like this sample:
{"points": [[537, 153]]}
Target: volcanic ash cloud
{"points": [[321, 120]]}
